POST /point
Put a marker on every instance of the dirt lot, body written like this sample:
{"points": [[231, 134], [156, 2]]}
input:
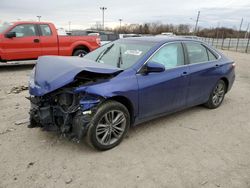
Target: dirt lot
{"points": [[194, 148]]}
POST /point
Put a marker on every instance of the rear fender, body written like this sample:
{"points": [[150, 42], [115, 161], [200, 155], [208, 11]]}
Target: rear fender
{"points": [[75, 45]]}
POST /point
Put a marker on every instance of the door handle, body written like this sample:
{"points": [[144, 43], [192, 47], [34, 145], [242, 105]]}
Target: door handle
{"points": [[36, 40], [184, 73]]}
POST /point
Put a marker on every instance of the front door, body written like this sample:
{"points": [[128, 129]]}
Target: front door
{"points": [[26, 44], [166, 91]]}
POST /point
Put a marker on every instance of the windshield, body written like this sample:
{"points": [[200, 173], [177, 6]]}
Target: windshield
{"points": [[4, 26], [122, 53]]}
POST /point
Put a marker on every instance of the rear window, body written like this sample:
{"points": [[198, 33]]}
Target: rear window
{"points": [[45, 30]]}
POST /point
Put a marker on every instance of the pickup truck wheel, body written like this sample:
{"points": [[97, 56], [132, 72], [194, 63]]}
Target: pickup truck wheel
{"points": [[108, 126], [80, 53]]}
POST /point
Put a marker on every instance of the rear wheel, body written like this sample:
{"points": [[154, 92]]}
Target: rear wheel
{"points": [[108, 126], [217, 95], [80, 53]]}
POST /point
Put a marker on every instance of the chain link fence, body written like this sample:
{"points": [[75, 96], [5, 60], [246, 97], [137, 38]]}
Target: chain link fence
{"points": [[233, 44]]}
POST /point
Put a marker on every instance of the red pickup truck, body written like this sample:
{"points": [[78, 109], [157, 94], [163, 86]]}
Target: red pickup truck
{"points": [[29, 40]]}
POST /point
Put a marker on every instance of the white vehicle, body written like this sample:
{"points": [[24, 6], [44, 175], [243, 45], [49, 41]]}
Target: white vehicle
{"points": [[170, 34]]}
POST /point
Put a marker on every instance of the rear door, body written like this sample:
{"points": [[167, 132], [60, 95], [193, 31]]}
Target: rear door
{"points": [[166, 91], [25, 45], [48, 40], [203, 75]]}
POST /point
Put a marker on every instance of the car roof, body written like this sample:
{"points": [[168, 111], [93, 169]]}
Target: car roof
{"points": [[30, 22], [160, 39]]}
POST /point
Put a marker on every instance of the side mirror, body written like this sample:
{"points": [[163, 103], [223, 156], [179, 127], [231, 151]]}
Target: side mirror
{"points": [[10, 34], [153, 67]]}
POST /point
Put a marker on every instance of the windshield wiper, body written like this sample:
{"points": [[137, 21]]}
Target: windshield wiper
{"points": [[106, 50], [119, 62]]}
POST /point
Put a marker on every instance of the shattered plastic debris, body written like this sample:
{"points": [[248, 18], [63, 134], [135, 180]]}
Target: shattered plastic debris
{"points": [[22, 121], [18, 89]]}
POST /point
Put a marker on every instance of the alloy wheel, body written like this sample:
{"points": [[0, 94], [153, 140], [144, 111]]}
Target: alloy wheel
{"points": [[111, 127], [218, 94]]}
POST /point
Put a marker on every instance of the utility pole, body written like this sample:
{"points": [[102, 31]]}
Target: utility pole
{"points": [[39, 18], [247, 31], [103, 9], [69, 25], [120, 20], [197, 21], [241, 24], [217, 30], [239, 35]]}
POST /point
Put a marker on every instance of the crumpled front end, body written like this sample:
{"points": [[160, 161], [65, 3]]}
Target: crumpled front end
{"points": [[64, 111], [56, 105]]}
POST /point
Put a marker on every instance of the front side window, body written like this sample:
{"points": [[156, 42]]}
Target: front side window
{"points": [[197, 53], [45, 30], [122, 53], [170, 56], [25, 30]]}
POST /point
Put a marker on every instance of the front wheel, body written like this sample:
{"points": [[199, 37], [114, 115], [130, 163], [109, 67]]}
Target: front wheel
{"points": [[217, 95], [108, 126]]}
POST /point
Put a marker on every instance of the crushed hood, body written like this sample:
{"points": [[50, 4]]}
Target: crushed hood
{"points": [[53, 72]]}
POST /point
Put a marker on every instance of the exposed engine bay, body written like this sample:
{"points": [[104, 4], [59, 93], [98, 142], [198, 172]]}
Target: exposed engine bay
{"points": [[65, 111]]}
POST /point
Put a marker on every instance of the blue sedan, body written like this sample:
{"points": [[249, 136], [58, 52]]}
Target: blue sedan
{"points": [[124, 83]]}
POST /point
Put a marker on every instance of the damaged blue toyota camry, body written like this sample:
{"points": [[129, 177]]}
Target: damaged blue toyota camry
{"points": [[124, 83]]}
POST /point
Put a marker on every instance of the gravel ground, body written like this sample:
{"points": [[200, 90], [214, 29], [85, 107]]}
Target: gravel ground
{"points": [[193, 148]]}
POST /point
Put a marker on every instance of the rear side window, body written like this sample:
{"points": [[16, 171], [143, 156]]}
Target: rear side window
{"points": [[197, 53], [24, 30], [170, 56], [211, 56], [45, 30]]}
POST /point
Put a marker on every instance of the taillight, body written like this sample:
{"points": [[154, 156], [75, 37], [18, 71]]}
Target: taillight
{"points": [[98, 41]]}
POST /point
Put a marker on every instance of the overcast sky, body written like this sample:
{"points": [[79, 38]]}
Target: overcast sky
{"points": [[85, 13]]}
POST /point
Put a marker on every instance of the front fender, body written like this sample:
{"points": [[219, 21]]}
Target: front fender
{"points": [[119, 86]]}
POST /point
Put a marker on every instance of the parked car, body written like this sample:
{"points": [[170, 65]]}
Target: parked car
{"points": [[105, 36], [189, 37], [121, 36], [124, 83], [29, 40]]}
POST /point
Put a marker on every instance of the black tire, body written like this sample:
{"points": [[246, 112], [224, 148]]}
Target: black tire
{"points": [[96, 124], [32, 123], [217, 95], [80, 53]]}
